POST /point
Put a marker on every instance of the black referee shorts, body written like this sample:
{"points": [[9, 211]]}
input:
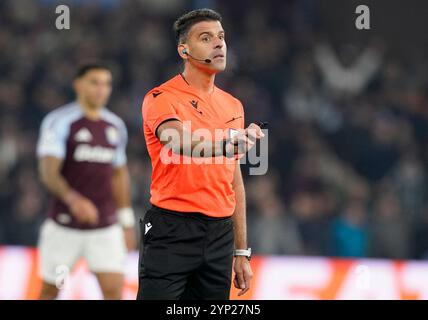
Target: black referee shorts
{"points": [[185, 256]]}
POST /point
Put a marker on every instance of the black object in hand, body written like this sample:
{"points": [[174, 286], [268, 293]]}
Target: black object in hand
{"points": [[262, 124]]}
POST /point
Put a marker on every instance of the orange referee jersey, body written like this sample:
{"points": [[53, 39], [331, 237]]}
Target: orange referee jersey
{"points": [[186, 186]]}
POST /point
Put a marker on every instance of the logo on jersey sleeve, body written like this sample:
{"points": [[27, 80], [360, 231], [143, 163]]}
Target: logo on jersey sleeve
{"points": [[83, 135], [48, 137], [112, 135], [156, 93]]}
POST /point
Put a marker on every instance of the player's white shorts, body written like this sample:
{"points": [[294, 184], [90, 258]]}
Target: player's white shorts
{"points": [[103, 249]]}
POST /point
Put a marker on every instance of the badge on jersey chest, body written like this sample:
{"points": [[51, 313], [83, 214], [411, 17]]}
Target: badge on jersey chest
{"points": [[112, 135], [83, 135]]}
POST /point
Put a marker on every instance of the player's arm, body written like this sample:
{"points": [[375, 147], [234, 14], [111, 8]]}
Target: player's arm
{"points": [[50, 175], [242, 268], [121, 189], [172, 134], [49, 172], [122, 196]]}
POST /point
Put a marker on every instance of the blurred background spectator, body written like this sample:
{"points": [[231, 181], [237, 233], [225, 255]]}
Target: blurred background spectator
{"points": [[347, 113]]}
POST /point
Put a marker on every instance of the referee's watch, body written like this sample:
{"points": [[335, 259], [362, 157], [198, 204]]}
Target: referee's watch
{"points": [[243, 252]]}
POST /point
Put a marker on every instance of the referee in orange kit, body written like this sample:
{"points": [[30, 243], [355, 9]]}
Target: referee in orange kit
{"points": [[197, 222]]}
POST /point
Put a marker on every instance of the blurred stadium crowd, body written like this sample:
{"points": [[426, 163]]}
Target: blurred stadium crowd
{"points": [[348, 124]]}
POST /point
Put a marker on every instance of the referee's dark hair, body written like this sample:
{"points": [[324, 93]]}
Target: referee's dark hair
{"points": [[183, 24], [86, 67]]}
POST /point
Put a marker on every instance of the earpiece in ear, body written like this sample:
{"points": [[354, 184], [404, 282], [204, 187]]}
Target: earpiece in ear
{"points": [[184, 51]]}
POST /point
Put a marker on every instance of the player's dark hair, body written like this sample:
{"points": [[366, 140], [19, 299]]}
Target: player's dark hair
{"points": [[85, 68], [183, 24]]}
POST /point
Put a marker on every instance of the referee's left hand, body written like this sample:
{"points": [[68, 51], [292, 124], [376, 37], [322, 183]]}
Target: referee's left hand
{"points": [[243, 274], [243, 140]]}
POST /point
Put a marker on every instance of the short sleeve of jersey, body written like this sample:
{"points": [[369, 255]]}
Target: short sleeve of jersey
{"points": [[120, 156], [52, 137], [158, 107]]}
